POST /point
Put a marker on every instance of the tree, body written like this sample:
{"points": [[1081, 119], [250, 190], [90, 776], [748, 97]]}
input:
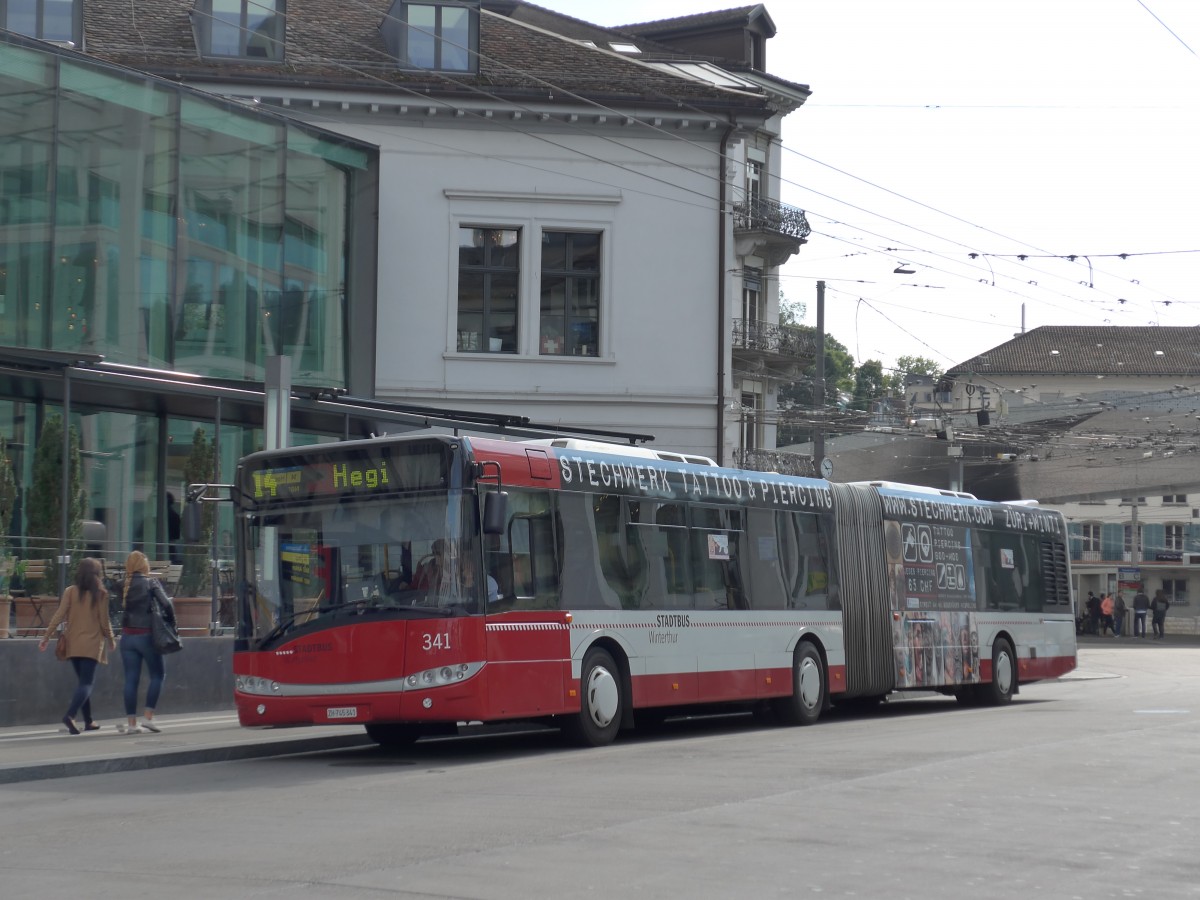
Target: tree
{"points": [[869, 384], [200, 468], [795, 398], [912, 365], [8, 495], [45, 494]]}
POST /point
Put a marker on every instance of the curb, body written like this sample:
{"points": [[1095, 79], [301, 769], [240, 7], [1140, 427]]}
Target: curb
{"points": [[223, 753]]}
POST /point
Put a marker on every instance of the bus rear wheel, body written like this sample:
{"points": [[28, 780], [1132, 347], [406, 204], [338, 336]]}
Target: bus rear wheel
{"points": [[387, 734], [1003, 685], [600, 711], [808, 689]]}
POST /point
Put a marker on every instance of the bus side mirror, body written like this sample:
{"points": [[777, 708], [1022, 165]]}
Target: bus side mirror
{"points": [[192, 522], [495, 512]]}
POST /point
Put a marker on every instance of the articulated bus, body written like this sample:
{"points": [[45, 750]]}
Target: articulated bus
{"points": [[414, 583]]}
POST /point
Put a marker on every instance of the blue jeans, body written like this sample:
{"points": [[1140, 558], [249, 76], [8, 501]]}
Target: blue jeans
{"points": [[85, 673], [1139, 623], [134, 649]]}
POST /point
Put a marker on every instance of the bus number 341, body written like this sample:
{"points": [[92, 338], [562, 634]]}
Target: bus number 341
{"points": [[435, 641]]}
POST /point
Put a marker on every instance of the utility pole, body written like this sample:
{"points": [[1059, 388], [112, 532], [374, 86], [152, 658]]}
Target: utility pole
{"points": [[819, 388]]}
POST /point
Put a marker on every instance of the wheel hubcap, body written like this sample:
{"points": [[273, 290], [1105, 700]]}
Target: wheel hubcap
{"points": [[602, 696], [810, 683], [1004, 672]]}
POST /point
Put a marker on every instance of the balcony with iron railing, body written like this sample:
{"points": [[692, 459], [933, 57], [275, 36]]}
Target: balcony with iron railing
{"points": [[755, 337], [768, 228], [774, 461]]}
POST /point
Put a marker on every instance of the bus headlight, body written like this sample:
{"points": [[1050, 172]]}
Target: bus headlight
{"points": [[441, 676]]}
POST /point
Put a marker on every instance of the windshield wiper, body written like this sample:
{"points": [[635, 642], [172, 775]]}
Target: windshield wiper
{"points": [[365, 606]]}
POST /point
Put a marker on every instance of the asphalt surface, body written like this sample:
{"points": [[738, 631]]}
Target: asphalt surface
{"points": [[38, 752]]}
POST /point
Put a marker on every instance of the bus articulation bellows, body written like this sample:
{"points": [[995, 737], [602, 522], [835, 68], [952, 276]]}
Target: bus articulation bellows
{"points": [[411, 583]]}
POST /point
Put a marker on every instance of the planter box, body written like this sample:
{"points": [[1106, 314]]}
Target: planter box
{"points": [[33, 614], [193, 613]]}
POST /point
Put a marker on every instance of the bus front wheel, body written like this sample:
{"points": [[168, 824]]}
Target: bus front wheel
{"points": [[600, 711], [804, 706], [1003, 685]]}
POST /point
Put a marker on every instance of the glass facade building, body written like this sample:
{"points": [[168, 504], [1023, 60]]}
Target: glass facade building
{"points": [[177, 241]]}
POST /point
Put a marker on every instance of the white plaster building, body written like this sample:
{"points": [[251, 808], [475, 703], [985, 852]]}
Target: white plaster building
{"points": [[577, 225]]}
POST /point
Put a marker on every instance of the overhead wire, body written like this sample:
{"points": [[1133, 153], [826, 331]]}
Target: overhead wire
{"points": [[705, 199]]}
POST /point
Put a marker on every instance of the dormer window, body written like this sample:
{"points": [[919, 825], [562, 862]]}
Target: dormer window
{"points": [[58, 21], [240, 29], [440, 35]]}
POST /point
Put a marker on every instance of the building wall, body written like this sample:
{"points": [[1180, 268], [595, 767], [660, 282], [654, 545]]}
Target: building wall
{"points": [[655, 201], [1031, 392]]}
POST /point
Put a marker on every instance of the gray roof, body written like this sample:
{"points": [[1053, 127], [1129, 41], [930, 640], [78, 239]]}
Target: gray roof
{"points": [[1091, 350], [525, 52], [721, 18]]}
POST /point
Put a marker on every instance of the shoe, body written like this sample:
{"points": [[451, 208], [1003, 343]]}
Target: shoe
{"points": [[129, 729], [66, 720], [149, 725], [91, 726]]}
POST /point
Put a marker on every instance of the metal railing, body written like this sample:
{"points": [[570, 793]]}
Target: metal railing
{"points": [[767, 337], [775, 461], [758, 214]]}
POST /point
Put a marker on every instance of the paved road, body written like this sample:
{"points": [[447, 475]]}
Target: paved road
{"points": [[1083, 788]]}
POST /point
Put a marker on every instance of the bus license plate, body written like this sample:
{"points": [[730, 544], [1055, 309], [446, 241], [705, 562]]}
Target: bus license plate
{"points": [[342, 712]]}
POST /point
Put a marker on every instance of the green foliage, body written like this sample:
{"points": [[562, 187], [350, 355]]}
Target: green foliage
{"points": [[869, 384], [912, 365], [45, 495], [8, 494], [798, 395], [200, 468]]}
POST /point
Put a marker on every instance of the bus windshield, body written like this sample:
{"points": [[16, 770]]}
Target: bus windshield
{"points": [[330, 563]]}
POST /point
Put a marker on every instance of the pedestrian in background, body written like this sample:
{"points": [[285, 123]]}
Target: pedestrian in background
{"points": [[83, 611], [1119, 614], [1106, 614], [137, 643], [1141, 604], [1158, 610], [1093, 614]]}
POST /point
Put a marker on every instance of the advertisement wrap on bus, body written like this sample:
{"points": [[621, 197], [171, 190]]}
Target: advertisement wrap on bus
{"points": [[414, 583]]}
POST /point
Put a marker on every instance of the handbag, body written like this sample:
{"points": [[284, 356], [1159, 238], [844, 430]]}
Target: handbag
{"points": [[163, 633], [61, 650]]}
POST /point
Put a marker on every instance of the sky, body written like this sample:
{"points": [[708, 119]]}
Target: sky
{"points": [[937, 129]]}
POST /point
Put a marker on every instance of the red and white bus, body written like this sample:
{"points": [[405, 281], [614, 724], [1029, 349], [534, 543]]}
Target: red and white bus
{"points": [[411, 583]]}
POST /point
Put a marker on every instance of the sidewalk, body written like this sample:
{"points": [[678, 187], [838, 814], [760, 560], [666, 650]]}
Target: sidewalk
{"points": [[36, 752]]}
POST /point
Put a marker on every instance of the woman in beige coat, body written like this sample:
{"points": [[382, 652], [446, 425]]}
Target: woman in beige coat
{"points": [[84, 607]]}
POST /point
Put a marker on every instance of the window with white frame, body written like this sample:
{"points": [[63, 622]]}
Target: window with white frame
{"points": [[1090, 537], [489, 280], [753, 406], [1174, 500], [1141, 542], [569, 317], [1173, 537], [60, 21], [240, 29], [752, 296], [440, 35]]}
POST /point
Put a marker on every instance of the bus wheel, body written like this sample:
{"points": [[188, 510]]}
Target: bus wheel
{"points": [[392, 735], [1001, 688], [599, 717], [808, 689]]}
